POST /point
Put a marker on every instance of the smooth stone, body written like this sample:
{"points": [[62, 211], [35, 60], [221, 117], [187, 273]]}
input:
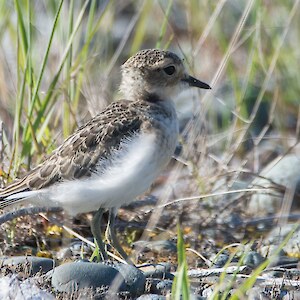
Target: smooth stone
{"points": [[164, 285], [285, 262], [64, 253], [292, 246], [267, 251], [197, 297], [253, 259], [279, 233], [163, 246], [208, 292], [75, 250], [233, 220], [70, 277], [283, 173], [133, 277], [158, 286], [37, 264], [256, 293], [220, 260], [151, 297], [161, 270]]}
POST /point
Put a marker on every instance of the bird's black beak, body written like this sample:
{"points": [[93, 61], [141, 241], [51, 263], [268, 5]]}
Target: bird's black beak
{"points": [[195, 82]]}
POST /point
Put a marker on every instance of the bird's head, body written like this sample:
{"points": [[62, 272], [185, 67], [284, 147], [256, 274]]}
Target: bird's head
{"points": [[156, 75]]}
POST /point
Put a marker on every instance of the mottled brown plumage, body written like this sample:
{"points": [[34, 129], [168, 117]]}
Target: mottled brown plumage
{"points": [[79, 154]]}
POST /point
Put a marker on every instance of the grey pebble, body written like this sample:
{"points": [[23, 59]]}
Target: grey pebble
{"points": [[270, 250], [220, 260], [151, 297], [164, 285], [36, 264], [133, 277], [158, 286], [161, 270], [208, 292], [197, 297], [279, 233], [77, 275], [282, 172], [256, 293], [163, 246], [285, 262], [253, 259], [76, 249], [233, 221]]}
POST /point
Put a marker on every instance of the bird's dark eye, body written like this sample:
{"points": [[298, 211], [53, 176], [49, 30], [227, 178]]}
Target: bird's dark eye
{"points": [[170, 70]]}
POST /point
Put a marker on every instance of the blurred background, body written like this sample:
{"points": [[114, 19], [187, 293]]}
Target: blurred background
{"points": [[60, 64]]}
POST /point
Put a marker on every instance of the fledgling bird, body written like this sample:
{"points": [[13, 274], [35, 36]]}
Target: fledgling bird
{"points": [[117, 155]]}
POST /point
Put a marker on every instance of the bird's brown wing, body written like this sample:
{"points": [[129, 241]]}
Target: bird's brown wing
{"points": [[78, 156]]}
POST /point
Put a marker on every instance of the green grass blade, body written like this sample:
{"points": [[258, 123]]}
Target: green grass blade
{"points": [[164, 25], [26, 134], [21, 28], [140, 27], [70, 90], [50, 94], [180, 287]]}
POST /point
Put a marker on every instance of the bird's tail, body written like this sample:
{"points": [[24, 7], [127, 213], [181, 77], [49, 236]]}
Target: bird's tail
{"points": [[14, 193]]}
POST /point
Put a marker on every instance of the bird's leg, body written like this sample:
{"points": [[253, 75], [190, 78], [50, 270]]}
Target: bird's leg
{"points": [[96, 231], [111, 236]]}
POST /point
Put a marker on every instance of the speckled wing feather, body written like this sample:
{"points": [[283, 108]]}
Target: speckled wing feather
{"points": [[78, 156]]}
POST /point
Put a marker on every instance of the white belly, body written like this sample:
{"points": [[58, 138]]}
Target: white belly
{"points": [[130, 174]]}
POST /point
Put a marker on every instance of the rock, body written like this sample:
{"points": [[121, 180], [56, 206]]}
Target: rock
{"points": [[151, 297], [71, 277], [208, 292], [74, 276], [220, 260], [233, 221], [197, 297], [284, 173], [256, 293], [164, 285], [36, 264], [269, 250], [285, 262], [12, 288], [278, 234], [163, 246], [75, 250], [133, 277], [64, 253], [161, 270], [253, 259], [158, 286]]}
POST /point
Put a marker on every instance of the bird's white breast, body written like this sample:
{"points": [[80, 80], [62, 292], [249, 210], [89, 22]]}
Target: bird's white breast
{"points": [[129, 173]]}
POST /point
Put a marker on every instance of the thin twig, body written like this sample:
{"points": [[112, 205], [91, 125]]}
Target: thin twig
{"points": [[198, 197], [207, 261], [216, 271]]}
